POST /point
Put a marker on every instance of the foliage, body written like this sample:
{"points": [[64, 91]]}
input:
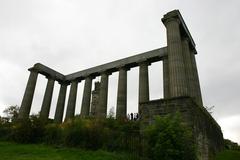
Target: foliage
{"points": [[231, 145], [12, 112], [53, 134], [4, 128], [169, 138], [95, 133], [28, 130]]}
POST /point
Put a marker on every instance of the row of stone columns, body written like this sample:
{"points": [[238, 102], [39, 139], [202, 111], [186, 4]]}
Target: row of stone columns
{"points": [[180, 75], [101, 109]]}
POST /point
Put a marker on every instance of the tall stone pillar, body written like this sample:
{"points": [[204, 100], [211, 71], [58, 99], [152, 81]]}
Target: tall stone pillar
{"points": [[188, 67], [28, 95], [143, 82], [86, 97], [122, 94], [196, 81], [44, 113], [177, 78], [72, 100], [166, 92], [60, 103], [101, 110]]}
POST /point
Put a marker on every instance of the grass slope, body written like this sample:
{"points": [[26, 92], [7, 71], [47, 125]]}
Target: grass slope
{"points": [[12, 151], [228, 155]]}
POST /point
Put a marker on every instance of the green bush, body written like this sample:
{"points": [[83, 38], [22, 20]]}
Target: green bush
{"points": [[169, 139], [5, 128], [89, 133], [53, 134], [74, 132], [28, 130]]}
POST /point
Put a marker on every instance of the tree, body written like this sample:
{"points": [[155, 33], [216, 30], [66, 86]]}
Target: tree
{"points": [[170, 139], [111, 112], [12, 112]]}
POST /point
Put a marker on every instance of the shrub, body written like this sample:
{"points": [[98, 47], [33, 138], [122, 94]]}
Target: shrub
{"points": [[29, 130], [5, 128], [170, 139], [53, 134]]}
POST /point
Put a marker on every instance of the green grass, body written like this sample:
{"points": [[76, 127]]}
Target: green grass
{"points": [[228, 155], [13, 151]]}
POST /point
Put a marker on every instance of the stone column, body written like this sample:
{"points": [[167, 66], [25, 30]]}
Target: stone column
{"points": [[28, 95], [188, 67], [86, 97], [122, 94], [101, 110], [72, 100], [196, 80], [44, 113], [177, 78], [143, 82], [60, 103], [165, 78]]}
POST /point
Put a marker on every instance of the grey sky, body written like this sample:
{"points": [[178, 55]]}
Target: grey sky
{"points": [[71, 35]]}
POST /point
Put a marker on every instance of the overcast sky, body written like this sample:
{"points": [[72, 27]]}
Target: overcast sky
{"points": [[72, 35]]}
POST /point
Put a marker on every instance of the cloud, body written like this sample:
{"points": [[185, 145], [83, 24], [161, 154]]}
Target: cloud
{"points": [[231, 127]]}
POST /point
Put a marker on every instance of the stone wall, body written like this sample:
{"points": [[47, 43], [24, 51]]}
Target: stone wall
{"points": [[207, 133]]}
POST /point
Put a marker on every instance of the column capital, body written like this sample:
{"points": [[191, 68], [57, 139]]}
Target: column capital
{"points": [[64, 83], [123, 67], [32, 69], [143, 62], [50, 77], [76, 80], [106, 72], [90, 76], [167, 20]]}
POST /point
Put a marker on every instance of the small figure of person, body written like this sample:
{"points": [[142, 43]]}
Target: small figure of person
{"points": [[131, 116]]}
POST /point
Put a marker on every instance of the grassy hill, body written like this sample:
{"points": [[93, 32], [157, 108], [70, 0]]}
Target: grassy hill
{"points": [[12, 151], [228, 155]]}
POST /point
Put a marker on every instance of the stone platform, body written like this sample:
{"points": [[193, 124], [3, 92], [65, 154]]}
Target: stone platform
{"points": [[207, 133]]}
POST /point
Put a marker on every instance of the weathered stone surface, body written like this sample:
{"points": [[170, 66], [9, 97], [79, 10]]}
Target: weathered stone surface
{"points": [[101, 110], [86, 97], [28, 95], [197, 88], [177, 77], [60, 103], [188, 67], [40, 68], [166, 91], [130, 62], [122, 94], [143, 82], [95, 98], [72, 100], [46, 104]]}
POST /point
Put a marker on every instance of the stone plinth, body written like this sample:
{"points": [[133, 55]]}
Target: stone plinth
{"points": [[207, 133]]}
